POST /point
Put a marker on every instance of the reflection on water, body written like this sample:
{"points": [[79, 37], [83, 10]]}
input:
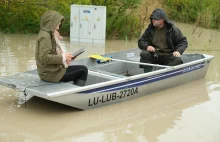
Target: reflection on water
{"points": [[201, 126], [200, 38], [189, 112], [16, 53]]}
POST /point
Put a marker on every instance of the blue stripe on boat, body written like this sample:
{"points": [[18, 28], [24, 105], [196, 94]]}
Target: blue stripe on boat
{"points": [[146, 80]]}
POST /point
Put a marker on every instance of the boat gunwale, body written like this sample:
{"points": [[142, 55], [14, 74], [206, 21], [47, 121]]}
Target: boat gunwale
{"points": [[121, 80]]}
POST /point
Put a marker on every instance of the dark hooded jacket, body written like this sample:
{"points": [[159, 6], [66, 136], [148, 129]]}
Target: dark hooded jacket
{"points": [[175, 39], [49, 64]]}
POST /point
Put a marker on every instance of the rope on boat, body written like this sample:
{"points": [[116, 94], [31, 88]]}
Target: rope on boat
{"points": [[25, 100]]}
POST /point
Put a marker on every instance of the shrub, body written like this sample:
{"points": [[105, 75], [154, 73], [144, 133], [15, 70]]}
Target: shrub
{"points": [[20, 16]]}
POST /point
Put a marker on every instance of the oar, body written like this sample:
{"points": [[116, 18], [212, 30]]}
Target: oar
{"points": [[106, 59]]}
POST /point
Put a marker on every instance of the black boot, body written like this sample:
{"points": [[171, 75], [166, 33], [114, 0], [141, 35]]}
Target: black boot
{"points": [[80, 82], [148, 69]]}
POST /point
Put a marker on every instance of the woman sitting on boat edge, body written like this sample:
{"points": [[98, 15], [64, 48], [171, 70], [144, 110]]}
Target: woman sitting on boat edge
{"points": [[51, 59]]}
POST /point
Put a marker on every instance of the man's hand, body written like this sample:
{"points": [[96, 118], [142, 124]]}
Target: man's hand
{"points": [[176, 54], [150, 48]]}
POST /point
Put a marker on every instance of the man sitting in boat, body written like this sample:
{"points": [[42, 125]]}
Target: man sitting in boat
{"points": [[51, 59], [162, 42]]}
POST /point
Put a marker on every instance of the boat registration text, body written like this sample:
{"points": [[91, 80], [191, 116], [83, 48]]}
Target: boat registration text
{"points": [[113, 96]]}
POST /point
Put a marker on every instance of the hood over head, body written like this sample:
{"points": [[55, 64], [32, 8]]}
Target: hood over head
{"points": [[49, 20], [159, 14]]}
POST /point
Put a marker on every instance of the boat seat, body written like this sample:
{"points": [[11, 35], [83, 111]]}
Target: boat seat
{"points": [[30, 79], [185, 58], [191, 57], [113, 75], [135, 58]]}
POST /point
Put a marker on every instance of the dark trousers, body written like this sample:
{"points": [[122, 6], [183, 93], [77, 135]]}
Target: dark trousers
{"points": [[74, 73], [158, 58]]}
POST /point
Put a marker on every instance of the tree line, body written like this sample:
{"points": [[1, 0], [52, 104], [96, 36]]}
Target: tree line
{"points": [[123, 18], [23, 16]]}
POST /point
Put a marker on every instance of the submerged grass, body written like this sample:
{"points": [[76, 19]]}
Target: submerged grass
{"points": [[204, 13]]}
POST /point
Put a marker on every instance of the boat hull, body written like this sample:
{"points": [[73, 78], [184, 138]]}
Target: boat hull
{"points": [[137, 87], [113, 82]]}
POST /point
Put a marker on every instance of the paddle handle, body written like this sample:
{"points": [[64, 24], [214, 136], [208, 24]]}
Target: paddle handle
{"points": [[155, 65]]}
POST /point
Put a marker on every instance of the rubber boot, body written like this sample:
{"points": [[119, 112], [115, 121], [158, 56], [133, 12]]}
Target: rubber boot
{"points": [[80, 82], [148, 69]]}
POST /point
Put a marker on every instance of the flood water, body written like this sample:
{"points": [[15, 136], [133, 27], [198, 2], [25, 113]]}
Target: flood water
{"points": [[190, 112]]}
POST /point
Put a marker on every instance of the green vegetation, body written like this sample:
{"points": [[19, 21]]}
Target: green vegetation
{"points": [[123, 20], [23, 16], [205, 13]]}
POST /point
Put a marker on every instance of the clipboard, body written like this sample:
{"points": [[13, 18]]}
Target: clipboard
{"points": [[78, 52]]}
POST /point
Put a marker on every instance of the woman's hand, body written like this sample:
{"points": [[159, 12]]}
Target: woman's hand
{"points": [[74, 57], [69, 57]]}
